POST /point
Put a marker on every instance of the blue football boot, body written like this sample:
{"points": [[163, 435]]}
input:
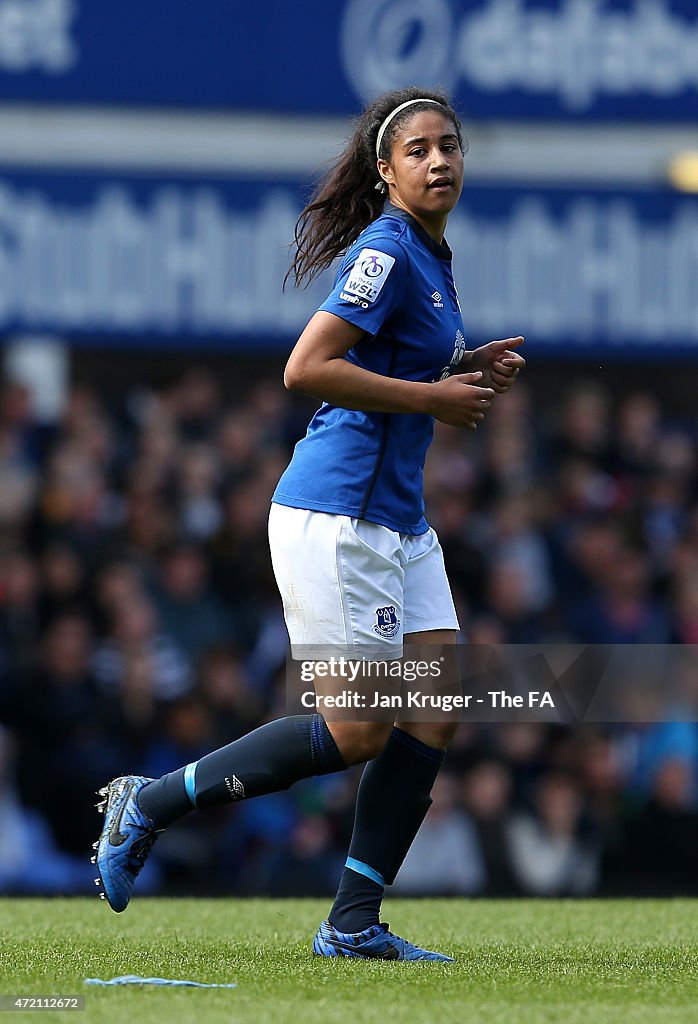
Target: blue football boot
{"points": [[126, 840], [375, 943]]}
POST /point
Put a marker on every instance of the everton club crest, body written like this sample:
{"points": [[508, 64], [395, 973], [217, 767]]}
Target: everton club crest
{"points": [[387, 622]]}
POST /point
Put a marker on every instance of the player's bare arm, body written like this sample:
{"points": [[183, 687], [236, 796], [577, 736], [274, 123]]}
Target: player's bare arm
{"points": [[317, 367]]}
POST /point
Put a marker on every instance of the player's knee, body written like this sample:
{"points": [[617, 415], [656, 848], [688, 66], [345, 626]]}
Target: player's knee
{"points": [[433, 734], [360, 741], [371, 739]]}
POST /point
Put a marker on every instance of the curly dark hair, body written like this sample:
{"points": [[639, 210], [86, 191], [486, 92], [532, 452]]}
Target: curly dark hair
{"points": [[346, 200]]}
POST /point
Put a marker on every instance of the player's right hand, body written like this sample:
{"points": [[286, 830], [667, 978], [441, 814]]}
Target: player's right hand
{"points": [[459, 402]]}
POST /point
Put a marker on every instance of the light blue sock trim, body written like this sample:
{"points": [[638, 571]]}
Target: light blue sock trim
{"points": [[366, 870], [190, 781]]}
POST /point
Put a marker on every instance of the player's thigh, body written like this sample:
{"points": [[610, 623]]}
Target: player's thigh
{"points": [[341, 582], [429, 604]]}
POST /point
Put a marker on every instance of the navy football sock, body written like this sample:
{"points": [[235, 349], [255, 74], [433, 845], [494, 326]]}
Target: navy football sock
{"points": [[269, 759], [392, 802]]}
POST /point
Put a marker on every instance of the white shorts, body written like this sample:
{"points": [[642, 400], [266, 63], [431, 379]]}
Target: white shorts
{"points": [[353, 587]]}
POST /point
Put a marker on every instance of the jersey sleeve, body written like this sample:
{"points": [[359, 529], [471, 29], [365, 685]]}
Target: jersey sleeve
{"points": [[371, 284]]}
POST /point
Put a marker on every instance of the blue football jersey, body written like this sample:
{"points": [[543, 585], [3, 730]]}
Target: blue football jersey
{"points": [[396, 283]]}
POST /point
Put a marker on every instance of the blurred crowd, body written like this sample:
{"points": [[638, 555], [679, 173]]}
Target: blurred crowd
{"points": [[140, 627]]}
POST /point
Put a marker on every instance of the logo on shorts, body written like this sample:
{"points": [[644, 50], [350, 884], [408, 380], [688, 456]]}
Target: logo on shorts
{"points": [[387, 622]]}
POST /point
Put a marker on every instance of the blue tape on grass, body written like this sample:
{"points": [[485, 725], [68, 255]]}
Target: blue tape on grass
{"points": [[134, 979]]}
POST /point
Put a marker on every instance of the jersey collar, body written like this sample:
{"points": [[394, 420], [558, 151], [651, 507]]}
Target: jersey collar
{"points": [[442, 251]]}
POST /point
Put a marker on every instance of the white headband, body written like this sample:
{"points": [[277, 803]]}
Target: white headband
{"points": [[381, 130]]}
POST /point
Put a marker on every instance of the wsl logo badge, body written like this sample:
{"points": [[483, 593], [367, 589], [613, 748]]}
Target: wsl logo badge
{"points": [[367, 277], [387, 622], [372, 266]]}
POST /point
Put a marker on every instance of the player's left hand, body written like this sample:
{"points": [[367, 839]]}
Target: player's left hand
{"points": [[498, 362]]}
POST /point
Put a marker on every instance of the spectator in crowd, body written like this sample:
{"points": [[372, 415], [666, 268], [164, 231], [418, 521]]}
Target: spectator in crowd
{"points": [[68, 734], [637, 433], [487, 799], [306, 865], [30, 862], [199, 508], [19, 611], [229, 693], [684, 608], [584, 427], [134, 632], [550, 855], [661, 840], [63, 582], [188, 607], [623, 610]]}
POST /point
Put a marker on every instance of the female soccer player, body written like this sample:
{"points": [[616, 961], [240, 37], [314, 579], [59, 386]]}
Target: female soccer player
{"points": [[357, 565]]}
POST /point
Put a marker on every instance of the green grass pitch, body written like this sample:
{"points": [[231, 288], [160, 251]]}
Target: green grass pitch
{"points": [[519, 962]]}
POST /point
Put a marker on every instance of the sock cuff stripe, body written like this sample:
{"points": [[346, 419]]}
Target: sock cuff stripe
{"points": [[317, 747], [417, 746], [325, 754], [190, 781], [366, 870]]}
